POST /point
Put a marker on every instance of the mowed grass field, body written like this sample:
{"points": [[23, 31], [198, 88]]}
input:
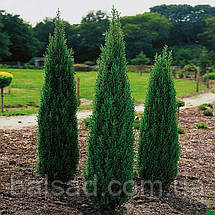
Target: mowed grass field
{"points": [[27, 85]]}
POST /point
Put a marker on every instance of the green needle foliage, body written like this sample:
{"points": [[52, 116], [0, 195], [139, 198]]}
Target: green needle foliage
{"points": [[57, 122], [111, 138], [158, 149]]}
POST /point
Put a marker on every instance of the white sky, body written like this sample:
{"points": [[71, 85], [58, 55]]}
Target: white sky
{"points": [[34, 11]]}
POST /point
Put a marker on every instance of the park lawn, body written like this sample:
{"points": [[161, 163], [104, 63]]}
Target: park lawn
{"points": [[27, 85]]}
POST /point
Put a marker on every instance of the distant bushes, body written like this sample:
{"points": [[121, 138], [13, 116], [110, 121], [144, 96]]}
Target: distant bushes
{"points": [[25, 66], [211, 77], [84, 68]]}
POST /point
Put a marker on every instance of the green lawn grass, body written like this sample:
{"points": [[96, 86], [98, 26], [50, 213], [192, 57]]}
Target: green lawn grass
{"points": [[27, 84]]}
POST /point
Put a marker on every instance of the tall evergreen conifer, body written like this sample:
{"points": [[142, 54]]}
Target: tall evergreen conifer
{"points": [[158, 149], [111, 139], [57, 122]]}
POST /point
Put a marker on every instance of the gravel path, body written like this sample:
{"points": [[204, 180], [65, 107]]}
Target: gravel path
{"points": [[16, 122]]}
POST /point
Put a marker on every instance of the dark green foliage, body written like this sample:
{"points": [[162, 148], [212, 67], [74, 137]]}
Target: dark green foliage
{"points": [[57, 122], [89, 63], [87, 122], [201, 125], [210, 212], [158, 147], [191, 68], [208, 112], [5, 79], [211, 76], [111, 139], [180, 130], [141, 58], [23, 44], [202, 107], [180, 103], [4, 41], [209, 105], [181, 75], [138, 118], [136, 124]]}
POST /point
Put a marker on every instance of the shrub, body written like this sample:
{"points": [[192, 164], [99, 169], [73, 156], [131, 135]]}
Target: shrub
{"points": [[83, 68], [181, 75], [208, 112], [180, 130], [57, 122], [138, 114], [201, 125], [89, 63], [211, 77], [111, 138], [136, 124], [5, 79], [209, 105], [202, 107], [141, 58], [158, 146], [190, 68], [87, 122], [180, 103], [205, 106], [210, 212]]}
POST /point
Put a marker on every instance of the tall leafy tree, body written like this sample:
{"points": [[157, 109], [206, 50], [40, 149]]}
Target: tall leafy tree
{"points": [[158, 147], [42, 31], [188, 21], [111, 139], [92, 34], [4, 40], [23, 43], [146, 32], [208, 36], [57, 122]]}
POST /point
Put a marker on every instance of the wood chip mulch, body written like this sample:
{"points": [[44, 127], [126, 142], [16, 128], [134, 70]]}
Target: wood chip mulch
{"points": [[22, 190]]}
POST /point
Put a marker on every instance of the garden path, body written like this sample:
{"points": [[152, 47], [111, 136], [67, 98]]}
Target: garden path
{"points": [[18, 122]]}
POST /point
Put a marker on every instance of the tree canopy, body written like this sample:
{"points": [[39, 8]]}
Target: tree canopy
{"points": [[181, 27]]}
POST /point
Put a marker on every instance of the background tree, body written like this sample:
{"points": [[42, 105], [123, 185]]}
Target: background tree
{"points": [[111, 139], [23, 43], [204, 60], [42, 31], [4, 41], [92, 35], [158, 146], [208, 36], [140, 59], [187, 21], [57, 122], [146, 32]]}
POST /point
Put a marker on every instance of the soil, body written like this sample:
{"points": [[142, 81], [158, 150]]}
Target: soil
{"points": [[22, 190]]}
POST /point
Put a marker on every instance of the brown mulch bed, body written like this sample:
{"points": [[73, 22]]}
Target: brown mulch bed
{"points": [[22, 190]]}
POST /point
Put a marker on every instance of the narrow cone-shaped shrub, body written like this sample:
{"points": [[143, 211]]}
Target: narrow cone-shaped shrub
{"points": [[111, 139], [158, 149], [57, 122]]}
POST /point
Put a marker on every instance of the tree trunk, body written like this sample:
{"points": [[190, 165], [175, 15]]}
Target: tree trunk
{"points": [[2, 100]]}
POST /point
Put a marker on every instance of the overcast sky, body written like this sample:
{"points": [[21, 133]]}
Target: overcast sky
{"points": [[34, 11]]}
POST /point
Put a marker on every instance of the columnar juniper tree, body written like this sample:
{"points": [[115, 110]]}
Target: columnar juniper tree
{"points": [[158, 149], [111, 139], [57, 122]]}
